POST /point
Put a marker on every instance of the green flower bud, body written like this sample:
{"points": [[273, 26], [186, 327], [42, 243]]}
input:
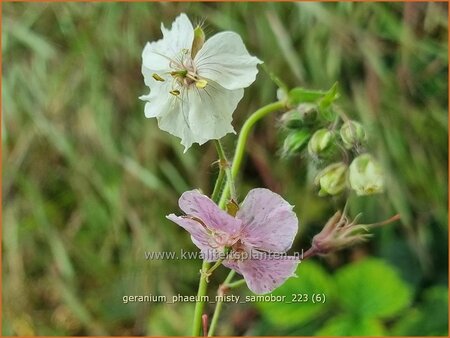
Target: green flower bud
{"points": [[303, 115], [352, 134], [291, 120], [308, 113], [366, 176], [320, 142], [332, 180], [199, 40], [296, 141]]}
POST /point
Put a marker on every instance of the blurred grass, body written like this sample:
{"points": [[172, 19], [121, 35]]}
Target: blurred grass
{"points": [[87, 180]]}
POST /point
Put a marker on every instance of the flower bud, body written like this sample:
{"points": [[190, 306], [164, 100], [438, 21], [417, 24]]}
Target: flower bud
{"points": [[291, 120], [352, 134], [332, 179], [303, 115], [320, 142], [308, 113], [340, 233], [296, 142], [366, 176]]}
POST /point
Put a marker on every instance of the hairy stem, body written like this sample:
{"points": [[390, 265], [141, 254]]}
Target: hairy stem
{"points": [[215, 196], [199, 305], [225, 165], [231, 174], [242, 141], [203, 283], [214, 267], [219, 303], [235, 284]]}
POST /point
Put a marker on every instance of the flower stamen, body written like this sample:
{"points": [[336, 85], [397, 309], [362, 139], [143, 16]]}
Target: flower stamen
{"points": [[157, 77], [201, 83], [179, 73]]}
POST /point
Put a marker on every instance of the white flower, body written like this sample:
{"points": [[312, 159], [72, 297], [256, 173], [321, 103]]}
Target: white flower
{"points": [[194, 85]]}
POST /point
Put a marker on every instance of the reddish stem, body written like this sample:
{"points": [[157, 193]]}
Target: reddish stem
{"points": [[205, 325], [309, 253]]}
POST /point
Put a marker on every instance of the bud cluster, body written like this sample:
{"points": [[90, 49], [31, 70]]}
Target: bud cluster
{"points": [[336, 146]]}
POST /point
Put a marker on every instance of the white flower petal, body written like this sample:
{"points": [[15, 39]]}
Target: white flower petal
{"points": [[152, 109], [225, 60], [159, 99], [181, 35], [211, 110], [157, 55], [175, 120], [148, 75], [196, 115], [144, 97]]}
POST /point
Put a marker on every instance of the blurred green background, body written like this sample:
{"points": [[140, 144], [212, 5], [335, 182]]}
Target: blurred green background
{"points": [[87, 180]]}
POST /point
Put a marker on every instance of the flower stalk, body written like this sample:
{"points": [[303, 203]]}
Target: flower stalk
{"points": [[206, 271], [231, 174], [205, 325], [242, 141], [218, 308], [225, 166], [199, 306]]}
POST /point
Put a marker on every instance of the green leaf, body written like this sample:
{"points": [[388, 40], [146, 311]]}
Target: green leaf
{"points": [[429, 319], [346, 325], [330, 96], [312, 279], [372, 288], [325, 105], [300, 95]]}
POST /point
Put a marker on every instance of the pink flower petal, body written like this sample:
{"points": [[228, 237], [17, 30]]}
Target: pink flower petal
{"points": [[196, 204], [199, 236], [265, 275], [232, 265], [268, 221]]}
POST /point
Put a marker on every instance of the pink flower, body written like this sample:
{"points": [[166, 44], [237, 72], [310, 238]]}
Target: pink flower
{"points": [[258, 237]]}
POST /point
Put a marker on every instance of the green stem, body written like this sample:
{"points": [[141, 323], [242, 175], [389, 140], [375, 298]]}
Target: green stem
{"points": [[218, 186], [235, 284], [229, 277], [214, 267], [242, 140], [218, 308], [225, 165], [215, 318], [199, 305], [203, 284], [231, 174]]}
